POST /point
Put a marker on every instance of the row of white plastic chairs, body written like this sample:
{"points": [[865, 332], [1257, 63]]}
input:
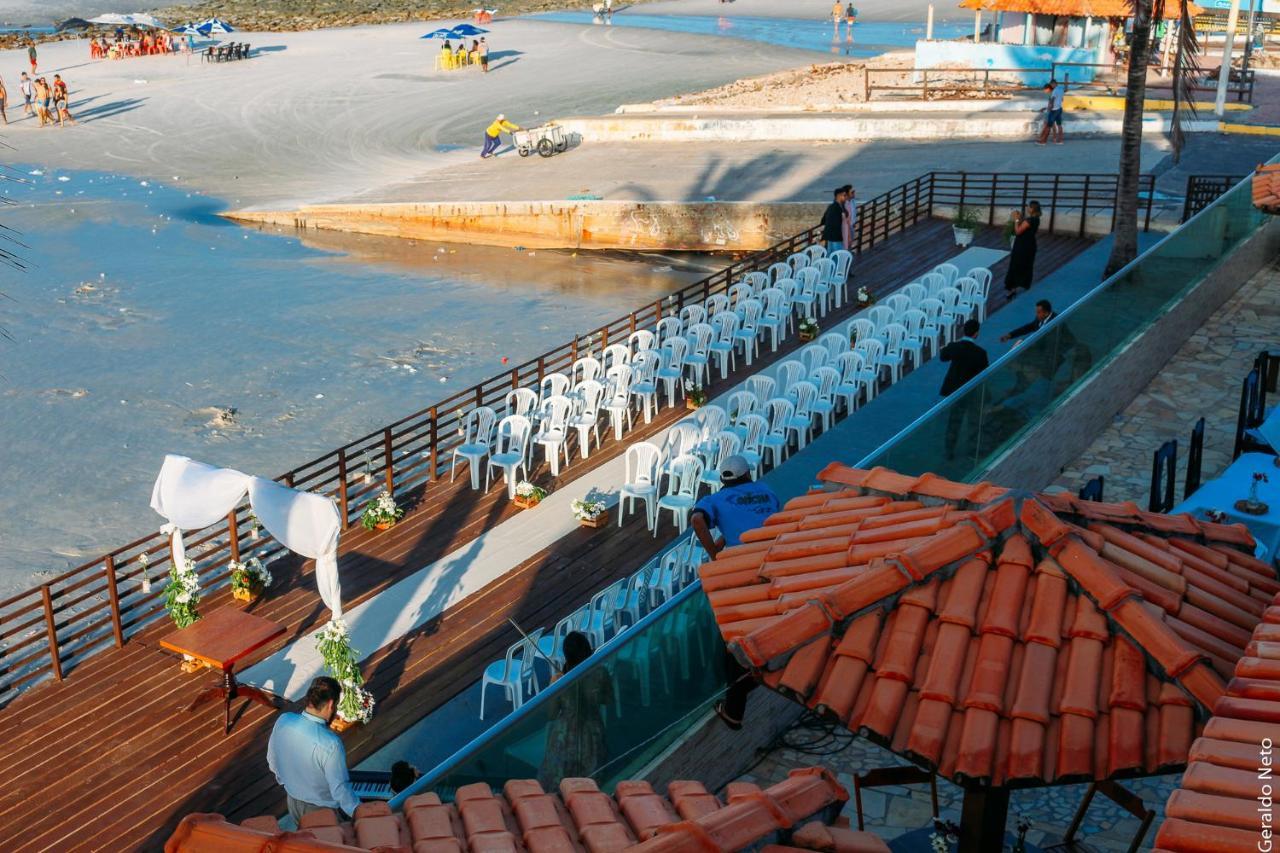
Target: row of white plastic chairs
{"points": [[611, 611]]}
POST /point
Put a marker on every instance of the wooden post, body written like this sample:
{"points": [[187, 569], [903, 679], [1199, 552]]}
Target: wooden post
{"points": [[982, 819], [435, 435], [386, 449], [977, 26], [1084, 205], [233, 536], [928, 27], [342, 485], [1053, 216], [866, 84], [289, 479], [113, 597], [51, 631]]}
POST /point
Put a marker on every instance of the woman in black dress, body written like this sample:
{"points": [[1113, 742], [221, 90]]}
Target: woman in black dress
{"points": [[1022, 259]]}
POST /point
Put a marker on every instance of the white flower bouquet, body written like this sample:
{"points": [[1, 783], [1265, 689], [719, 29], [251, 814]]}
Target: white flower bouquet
{"points": [[381, 512], [588, 508], [694, 393], [182, 595], [808, 327], [865, 297], [248, 579], [529, 492], [356, 704]]}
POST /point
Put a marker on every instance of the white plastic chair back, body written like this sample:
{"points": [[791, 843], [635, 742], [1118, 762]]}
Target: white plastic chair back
{"points": [[682, 438], [739, 292], [716, 303], [915, 323], [813, 357], [780, 412], [553, 416], [848, 364], [521, 401], [915, 291], [587, 397], [932, 309], [641, 340], [512, 437], [872, 351], [699, 337], [758, 281], [809, 279], [586, 369], [789, 287], [817, 252], [477, 427], [740, 404], [674, 351], [756, 426], [761, 387], [982, 275], [712, 419], [894, 333], [950, 299], [843, 259], [779, 271], [641, 464], [668, 328], [834, 344], [789, 373], [691, 315], [802, 395], [826, 270], [749, 317], [775, 304], [949, 272], [724, 325], [684, 475], [719, 447], [798, 261], [553, 385], [881, 316], [968, 288], [933, 282], [644, 366], [863, 330], [899, 302], [614, 355]]}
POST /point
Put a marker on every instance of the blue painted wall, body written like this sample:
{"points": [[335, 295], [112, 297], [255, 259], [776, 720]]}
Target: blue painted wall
{"points": [[934, 54]]}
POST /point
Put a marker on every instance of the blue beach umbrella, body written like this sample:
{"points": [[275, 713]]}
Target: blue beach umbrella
{"points": [[215, 25], [440, 34], [467, 30], [187, 30]]}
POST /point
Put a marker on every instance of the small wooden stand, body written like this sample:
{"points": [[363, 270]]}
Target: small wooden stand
{"points": [[595, 523], [340, 725], [808, 336], [526, 503]]}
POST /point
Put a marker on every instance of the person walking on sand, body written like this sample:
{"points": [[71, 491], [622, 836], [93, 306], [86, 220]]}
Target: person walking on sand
{"points": [[484, 55], [27, 88], [31, 55], [4, 101], [493, 135], [42, 100], [1053, 113], [60, 101]]}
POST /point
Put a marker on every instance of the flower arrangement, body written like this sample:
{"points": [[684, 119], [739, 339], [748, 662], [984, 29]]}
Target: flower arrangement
{"points": [[1011, 228], [528, 495], [865, 297], [248, 579], [808, 328], [333, 641], [381, 512], [144, 561], [588, 509], [182, 595], [694, 394], [255, 527]]}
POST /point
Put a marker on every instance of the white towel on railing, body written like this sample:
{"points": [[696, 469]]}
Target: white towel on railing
{"points": [[192, 495]]}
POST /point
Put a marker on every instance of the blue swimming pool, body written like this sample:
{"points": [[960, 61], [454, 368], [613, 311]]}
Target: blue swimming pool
{"points": [[870, 38]]}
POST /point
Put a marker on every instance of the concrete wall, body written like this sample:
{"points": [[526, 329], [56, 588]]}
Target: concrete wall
{"points": [[699, 226], [1039, 458], [957, 54]]}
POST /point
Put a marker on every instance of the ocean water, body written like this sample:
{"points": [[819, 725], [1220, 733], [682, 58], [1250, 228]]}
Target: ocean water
{"points": [[870, 38], [144, 319]]}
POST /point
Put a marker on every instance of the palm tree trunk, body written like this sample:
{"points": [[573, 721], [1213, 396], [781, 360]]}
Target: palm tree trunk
{"points": [[1125, 234]]}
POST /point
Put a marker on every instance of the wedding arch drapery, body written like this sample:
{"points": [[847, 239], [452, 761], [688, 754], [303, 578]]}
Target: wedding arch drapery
{"points": [[191, 495]]}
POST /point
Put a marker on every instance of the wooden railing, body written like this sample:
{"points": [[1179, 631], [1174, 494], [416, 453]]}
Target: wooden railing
{"points": [[45, 631], [998, 193]]}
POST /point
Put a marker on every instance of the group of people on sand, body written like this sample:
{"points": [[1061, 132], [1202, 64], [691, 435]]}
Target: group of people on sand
{"points": [[477, 54], [142, 43], [46, 101]]}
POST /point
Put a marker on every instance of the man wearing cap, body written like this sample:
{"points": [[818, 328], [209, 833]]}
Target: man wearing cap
{"points": [[493, 135], [741, 505]]}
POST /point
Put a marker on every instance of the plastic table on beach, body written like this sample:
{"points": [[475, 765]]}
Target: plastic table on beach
{"points": [[1221, 494], [220, 640]]}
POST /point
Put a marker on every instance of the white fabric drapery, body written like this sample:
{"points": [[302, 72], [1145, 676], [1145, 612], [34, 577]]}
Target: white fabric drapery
{"points": [[192, 495]]}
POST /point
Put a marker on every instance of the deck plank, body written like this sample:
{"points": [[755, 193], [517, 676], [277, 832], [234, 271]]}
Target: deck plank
{"points": [[111, 747]]}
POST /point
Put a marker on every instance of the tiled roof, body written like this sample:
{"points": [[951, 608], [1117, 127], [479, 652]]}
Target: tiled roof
{"points": [[1219, 808], [1266, 188], [999, 637], [581, 819], [1072, 8]]}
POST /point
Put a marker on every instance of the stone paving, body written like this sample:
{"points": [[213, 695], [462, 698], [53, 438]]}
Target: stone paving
{"points": [[891, 812], [1201, 380]]}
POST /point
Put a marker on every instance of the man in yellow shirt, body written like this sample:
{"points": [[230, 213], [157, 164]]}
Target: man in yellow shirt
{"points": [[493, 135]]}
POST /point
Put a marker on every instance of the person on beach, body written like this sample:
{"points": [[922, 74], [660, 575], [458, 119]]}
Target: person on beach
{"points": [[850, 17], [1053, 113], [493, 135], [473, 56], [4, 101], [484, 55], [31, 56], [837, 13], [41, 97], [27, 88], [833, 222], [1022, 256], [850, 228], [60, 101]]}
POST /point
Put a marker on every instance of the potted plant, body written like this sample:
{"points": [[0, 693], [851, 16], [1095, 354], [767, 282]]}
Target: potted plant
{"points": [[355, 707], [1252, 505], [695, 397], [590, 511], [865, 297], [808, 329], [965, 225], [528, 495], [248, 579], [333, 641], [181, 600], [381, 513], [1011, 228]]}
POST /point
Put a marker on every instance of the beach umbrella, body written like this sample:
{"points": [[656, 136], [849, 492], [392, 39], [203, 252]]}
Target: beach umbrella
{"points": [[141, 19], [215, 25], [440, 34], [72, 24], [113, 20], [467, 30], [187, 30]]}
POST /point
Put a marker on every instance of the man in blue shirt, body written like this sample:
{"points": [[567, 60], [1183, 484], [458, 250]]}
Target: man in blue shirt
{"points": [[739, 506], [308, 758]]}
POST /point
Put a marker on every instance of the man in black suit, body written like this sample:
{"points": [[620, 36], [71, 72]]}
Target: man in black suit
{"points": [[967, 361], [1044, 313], [833, 222]]}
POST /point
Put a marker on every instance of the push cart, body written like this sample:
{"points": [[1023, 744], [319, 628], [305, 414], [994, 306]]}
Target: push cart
{"points": [[545, 139]]}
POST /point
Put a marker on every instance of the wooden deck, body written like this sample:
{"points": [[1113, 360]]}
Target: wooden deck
{"points": [[108, 760]]}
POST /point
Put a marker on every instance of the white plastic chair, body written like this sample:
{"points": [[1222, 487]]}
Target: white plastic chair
{"points": [[813, 357], [779, 411], [477, 438], [918, 328], [740, 404], [825, 268], [754, 428], [697, 359], [553, 385], [712, 420], [789, 373], [522, 401], [855, 379], [900, 303], [949, 273], [834, 343], [725, 326], [553, 430], [644, 381], [969, 294], [775, 316], [763, 387], [721, 447], [586, 420], [758, 281], [894, 355], [641, 481], [641, 340], [668, 328], [954, 311], [982, 276], [614, 355], [510, 451], [618, 398], [863, 330], [716, 303], [932, 309], [826, 378], [811, 283], [514, 673], [600, 624], [872, 351], [840, 275], [802, 395], [684, 476], [692, 315], [586, 369], [915, 291], [778, 271], [682, 438], [671, 373], [798, 261], [634, 599], [748, 332], [933, 282], [739, 292], [880, 316], [816, 252]]}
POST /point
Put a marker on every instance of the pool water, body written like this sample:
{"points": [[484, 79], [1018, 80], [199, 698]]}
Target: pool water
{"points": [[870, 38], [144, 319]]}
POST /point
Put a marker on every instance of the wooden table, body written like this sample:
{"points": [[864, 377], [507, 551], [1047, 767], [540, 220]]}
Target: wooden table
{"points": [[219, 640]]}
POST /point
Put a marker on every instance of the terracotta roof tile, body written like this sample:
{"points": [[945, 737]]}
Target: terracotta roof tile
{"points": [[1016, 639]]}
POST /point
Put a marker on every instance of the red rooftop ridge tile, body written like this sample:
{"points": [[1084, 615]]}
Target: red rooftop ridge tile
{"points": [[998, 637], [579, 818]]}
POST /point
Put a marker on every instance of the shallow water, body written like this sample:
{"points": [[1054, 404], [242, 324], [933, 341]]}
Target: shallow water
{"points": [[870, 38], [144, 318]]}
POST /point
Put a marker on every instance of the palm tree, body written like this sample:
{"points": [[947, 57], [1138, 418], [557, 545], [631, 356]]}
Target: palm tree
{"points": [[1185, 69]]}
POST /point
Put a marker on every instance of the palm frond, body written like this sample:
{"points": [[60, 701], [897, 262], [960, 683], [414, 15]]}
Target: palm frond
{"points": [[1186, 71]]}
